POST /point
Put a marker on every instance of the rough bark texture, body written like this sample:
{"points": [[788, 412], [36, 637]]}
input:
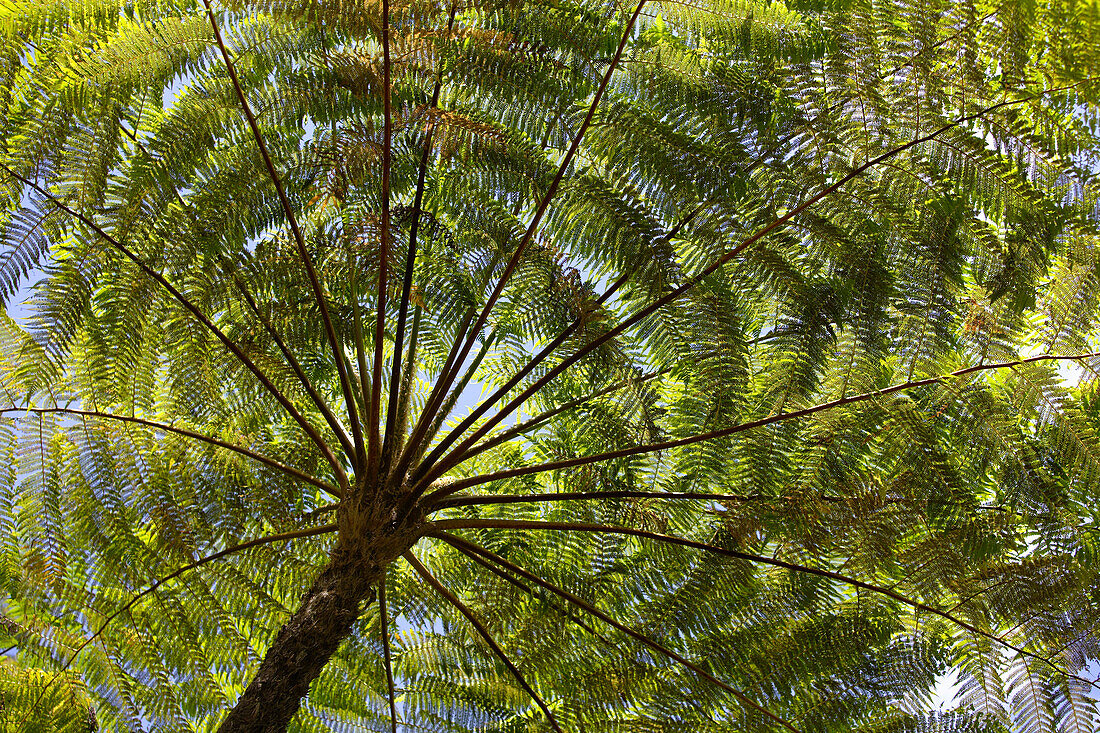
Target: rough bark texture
{"points": [[369, 540], [301, 650]]}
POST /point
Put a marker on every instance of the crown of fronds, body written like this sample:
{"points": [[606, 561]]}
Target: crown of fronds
{"points": [[737, 361]]}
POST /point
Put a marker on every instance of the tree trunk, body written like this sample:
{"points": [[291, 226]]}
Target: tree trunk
{"points": [[303, 647]]}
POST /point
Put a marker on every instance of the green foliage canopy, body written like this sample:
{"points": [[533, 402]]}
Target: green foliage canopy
{"points": [[782, 318]]}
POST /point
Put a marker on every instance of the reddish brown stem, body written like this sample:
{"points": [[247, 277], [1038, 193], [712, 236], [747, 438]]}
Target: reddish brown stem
{"points": [[435, 399], [484, 633], [382, 614], [489, 499], [445, 524], [201, 317], [455, 456], [665, 445], [374, 446], [292, 220], [289, 470], [473, 550], [391, 441]]}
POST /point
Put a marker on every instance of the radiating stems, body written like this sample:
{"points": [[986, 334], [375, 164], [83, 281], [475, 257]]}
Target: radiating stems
{"points": [[454, 457], [456, 391], [365, 387], [307, 385], [439, 450], [484, 633], [724, 432], [473, 551], [258, 457], [548, 350], [423, 422], [392, 437], [292, 220], [518, 524], [535, 421], [407, 376], [374, 447], [544, 203], [540, 357], [321, 405], [451, 366], [202, 318]]}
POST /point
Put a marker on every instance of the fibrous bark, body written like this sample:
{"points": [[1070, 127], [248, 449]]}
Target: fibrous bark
{"points": [[369, 540], [301, 649]]}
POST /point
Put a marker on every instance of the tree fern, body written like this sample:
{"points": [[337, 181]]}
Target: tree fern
{"points": [[718, 366]]}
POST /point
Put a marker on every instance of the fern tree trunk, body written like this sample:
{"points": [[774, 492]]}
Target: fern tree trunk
{"points": [[367, 543], [301, 650]]}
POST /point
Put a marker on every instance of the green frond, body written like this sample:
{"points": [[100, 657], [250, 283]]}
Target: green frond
{"points": [[745, 351]]}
